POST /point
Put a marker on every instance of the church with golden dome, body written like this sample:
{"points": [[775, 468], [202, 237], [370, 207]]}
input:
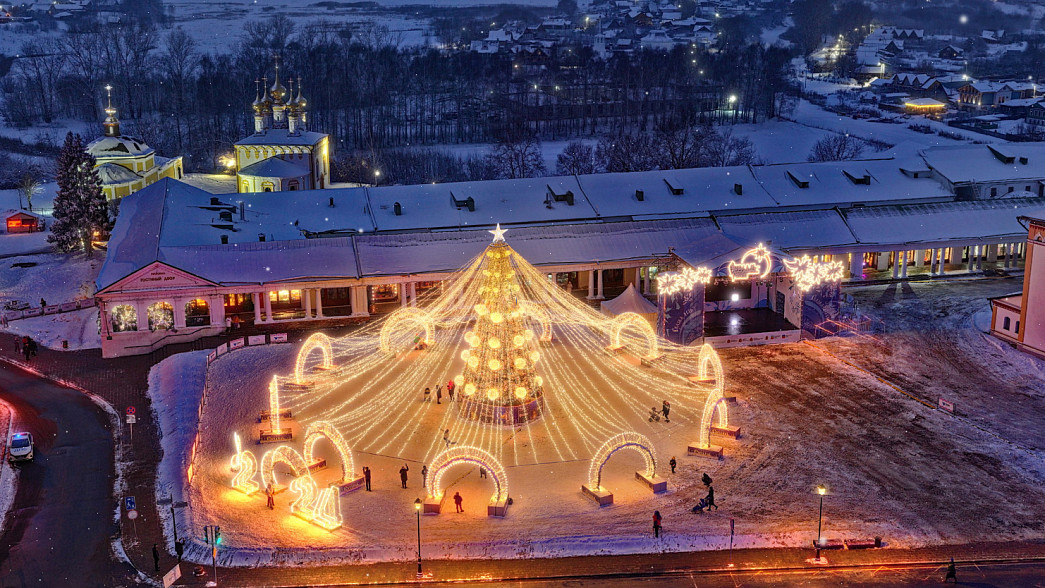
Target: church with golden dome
{"points": [[126, 164], [282, 154]]}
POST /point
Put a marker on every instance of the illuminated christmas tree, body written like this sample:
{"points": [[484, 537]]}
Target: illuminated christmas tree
{"points": [[499, 383]]}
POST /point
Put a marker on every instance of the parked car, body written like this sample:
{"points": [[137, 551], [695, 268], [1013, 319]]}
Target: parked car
{"points": [[16, 305], [21, 448]]}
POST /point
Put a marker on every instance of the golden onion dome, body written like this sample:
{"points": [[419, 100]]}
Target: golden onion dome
{"points": [[300, 103]]}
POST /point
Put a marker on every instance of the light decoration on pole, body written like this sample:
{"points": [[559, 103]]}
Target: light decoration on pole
{"points": [[626, 440], [755, 263], [245, 465], [683, 280], [809, 273], [414, 317], [316, 341], [469, 455], [275, 415], [326, 429]]}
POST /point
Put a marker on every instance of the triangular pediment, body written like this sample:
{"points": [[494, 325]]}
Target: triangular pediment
{"points": [[158, 276]]}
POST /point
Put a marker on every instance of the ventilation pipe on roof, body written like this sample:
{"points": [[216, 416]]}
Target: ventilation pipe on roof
{"points": [[261, 237], [397, 208], [640, 195], [738, 189], [331, 202], [225, 215], [242, 211], [224, 239], [215, 201], [1024, 160]]}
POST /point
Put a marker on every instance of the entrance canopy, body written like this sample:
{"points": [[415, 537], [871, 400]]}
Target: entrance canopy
{"points": [[630, 301]]}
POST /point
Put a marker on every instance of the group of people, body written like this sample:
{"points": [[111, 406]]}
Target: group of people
{"points": [[404, 476], [450, 387], [26, 346], [665, 410], [706, 503]]}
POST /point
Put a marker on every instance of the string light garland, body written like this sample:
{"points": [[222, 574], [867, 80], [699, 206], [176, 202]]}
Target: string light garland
{"points": [[285, 455], [405, 316], [467, 455], [316, 341], [710, 371], [324, 429], [245, 465], [683, 280], [756, 262], [634, 321], [809, 273]]}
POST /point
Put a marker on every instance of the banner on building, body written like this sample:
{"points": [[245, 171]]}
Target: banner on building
{"points": [[680, 316]]}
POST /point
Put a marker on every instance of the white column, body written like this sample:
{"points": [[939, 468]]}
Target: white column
{"points": [[306, 295], [896, 264], [591, 284], [599, 295], [883, 261], [179, 314], [972, 257], [216, 309], [941, 266], [268, 306], [645, 279], [903, 263], [256, 298], [402, 294], [992, 252], [981, 251], [143, 316], [856, 265], [955, 256], [919, 257], [319, 303], [359, 301], [413, 293]]}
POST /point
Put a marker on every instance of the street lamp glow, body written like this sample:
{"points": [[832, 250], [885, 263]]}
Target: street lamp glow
{"points": [[732, 98], [821, 490]]}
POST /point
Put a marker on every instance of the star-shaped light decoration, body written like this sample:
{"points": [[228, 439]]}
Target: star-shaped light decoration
{"points": [[498, 233]]}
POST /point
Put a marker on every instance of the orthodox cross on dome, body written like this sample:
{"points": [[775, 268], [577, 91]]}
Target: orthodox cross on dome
{"points": [[498, 233]]}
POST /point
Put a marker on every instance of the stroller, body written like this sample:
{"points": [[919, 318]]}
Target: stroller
{"points": [[654, 416], [700, 506]]}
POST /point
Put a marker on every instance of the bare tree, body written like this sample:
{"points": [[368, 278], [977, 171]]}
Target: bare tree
{"points": [[28, 186], [836, 148], [627, 153], [517, 157], [726, 150], [577, 158], [180, 62]]}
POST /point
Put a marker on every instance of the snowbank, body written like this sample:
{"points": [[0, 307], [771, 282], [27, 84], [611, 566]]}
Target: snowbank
{"points": [[8, 475]]}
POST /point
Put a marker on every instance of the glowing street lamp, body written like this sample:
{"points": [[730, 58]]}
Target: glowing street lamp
{"points": [[377, 176], [821, 490], [417, 507]]}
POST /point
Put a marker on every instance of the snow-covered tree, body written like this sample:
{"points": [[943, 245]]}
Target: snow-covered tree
{"points": [[79, 206], [576, 158], [836, 148]]}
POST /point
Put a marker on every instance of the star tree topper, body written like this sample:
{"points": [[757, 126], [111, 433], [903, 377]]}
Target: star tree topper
{"points": [[498, 233]]}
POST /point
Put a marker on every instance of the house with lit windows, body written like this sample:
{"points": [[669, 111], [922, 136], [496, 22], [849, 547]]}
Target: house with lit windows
{"points": [[1019, 319], [282, 154]]}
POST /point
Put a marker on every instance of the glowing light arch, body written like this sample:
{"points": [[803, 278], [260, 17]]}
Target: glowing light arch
{"points": [[626, 440], [405, 316], [631, 319], [710, 362], [282, 454], [467, 454], [317, 431], [246, 467], [540, 314], [316, 341]]}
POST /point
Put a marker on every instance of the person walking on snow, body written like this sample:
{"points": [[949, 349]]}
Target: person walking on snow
{"points": [[711, 498], [952, 573], [156, 557], [673, 463], [428, 394], [482, 472], [457, 501], [450, 390], [424, 475], [656, 523], [366, 477], [179, 548], [270, 497], [666, 408], [402, 473], [439, 394], [706, 479], [27, 351], [18, 344], [446, 438]]}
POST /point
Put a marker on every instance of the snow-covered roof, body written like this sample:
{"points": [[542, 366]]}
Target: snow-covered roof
{"points": [[275, 167], [987, 163], [283, 137], [682, 192], [114, 173], [122, 146], [942, 221]]}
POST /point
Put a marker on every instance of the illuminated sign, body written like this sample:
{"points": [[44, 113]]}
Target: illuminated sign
{"points": [[756, 263]]}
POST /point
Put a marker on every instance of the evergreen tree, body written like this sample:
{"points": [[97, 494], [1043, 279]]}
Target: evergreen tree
{"points": [[79, 207]]}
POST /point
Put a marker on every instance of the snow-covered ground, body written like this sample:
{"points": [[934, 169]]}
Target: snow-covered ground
{"points": [[894, 467], [56, 278], [8, 475]]}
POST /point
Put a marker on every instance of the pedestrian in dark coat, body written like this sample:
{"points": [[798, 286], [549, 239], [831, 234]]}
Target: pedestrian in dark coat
{"points": [[457, 501], [711, 498], [706, 479], [402, 473], [439, 394], [27, 351], [673, 463], [424, 475], [179, 548], [366, 477], [482, 472], [43, 303], [446, 438], [952, 573], [156, 557], [666, 408], [33, 347], [18, 344], [270, 497], [656, 523]]}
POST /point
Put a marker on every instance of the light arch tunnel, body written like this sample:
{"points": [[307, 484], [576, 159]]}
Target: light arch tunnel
{"points": [[626, 440], [634, 321], [540, 314], [467, 455], [317, 341], [402, 318], [299, 463], [710, 373]]}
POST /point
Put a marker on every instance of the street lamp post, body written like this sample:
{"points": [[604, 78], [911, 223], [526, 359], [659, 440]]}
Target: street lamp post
{"points": [[417, 507], [821, 490]]}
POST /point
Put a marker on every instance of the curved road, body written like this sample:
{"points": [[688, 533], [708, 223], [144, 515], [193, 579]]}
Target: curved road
{"points": [[58, 530]]}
